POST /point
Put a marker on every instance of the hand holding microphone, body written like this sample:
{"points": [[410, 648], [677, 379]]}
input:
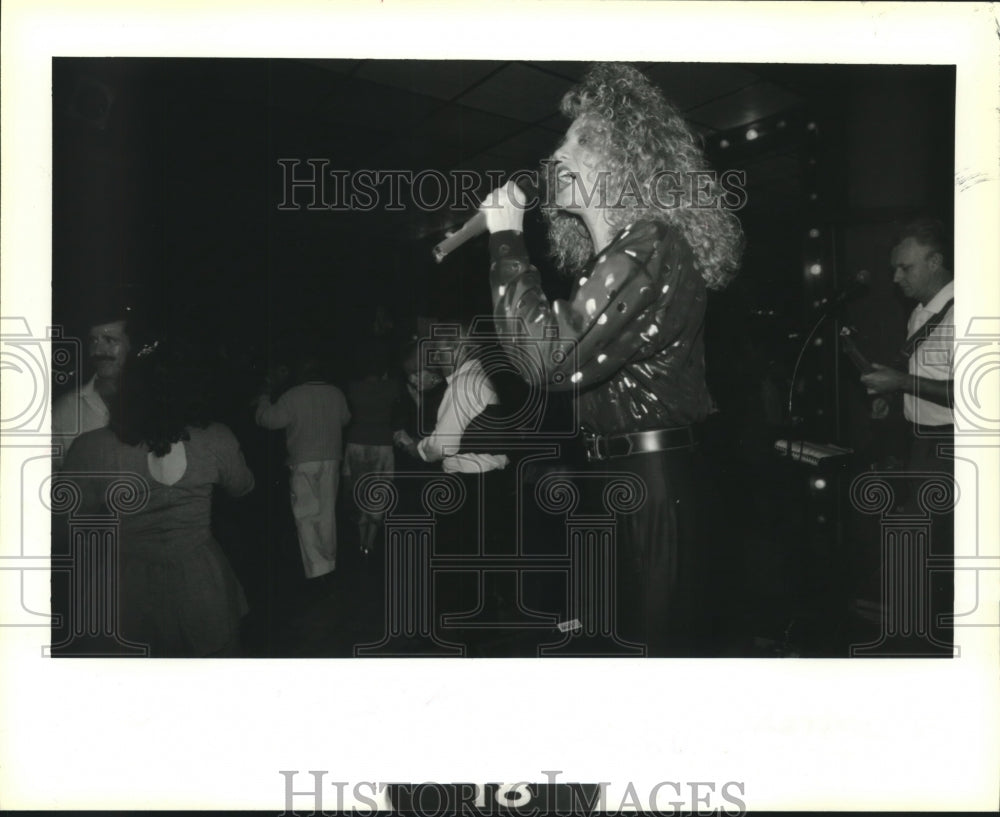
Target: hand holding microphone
{"points": [[503, 209]]}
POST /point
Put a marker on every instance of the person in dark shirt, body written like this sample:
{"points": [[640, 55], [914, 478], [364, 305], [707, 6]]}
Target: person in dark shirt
{"points": [[417, 410], [627, 221], [313, 414], [372, 399]]}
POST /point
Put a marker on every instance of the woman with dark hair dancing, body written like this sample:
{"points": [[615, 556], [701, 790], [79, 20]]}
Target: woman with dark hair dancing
{"points": [[641, 227], [177, 591]]}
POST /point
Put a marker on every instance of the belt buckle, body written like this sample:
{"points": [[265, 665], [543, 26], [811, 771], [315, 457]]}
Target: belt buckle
{"points": [[620, 446], [595, 447], [599, 447]]}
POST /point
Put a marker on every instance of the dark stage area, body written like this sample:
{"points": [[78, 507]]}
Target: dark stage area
{"points": [[227, 199]]}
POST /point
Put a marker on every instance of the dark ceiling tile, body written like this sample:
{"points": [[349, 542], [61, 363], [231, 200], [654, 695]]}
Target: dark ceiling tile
{"points": [[337, 66], [567, 70], [528, 147], [688, 85], [235, 80], [294, 85], [377, 106], [336, 99], [442, 79], [345, 148], [745, 106], [519, 92], [466, 128]]}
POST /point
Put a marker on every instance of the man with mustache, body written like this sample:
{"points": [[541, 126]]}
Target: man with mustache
{"points": [[108, 344]]}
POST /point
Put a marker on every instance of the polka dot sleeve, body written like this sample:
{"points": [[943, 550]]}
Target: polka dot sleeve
{"points": [[618, 311]]}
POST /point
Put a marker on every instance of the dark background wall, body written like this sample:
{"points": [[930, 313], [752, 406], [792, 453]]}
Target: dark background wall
{"points": [[167, 184]]}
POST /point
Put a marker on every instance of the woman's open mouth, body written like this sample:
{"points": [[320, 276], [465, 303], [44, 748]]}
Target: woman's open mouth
{"points": [[564, 177]]}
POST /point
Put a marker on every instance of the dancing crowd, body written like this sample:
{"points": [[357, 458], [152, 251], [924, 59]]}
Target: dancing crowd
{"points": [[626, 345]]}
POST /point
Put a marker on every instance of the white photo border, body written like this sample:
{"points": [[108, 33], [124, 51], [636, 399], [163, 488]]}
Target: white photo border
{"points": [[803, 734]]}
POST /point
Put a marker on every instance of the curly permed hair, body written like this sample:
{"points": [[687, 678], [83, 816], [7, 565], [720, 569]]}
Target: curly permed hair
{"points": [[640, 134]]}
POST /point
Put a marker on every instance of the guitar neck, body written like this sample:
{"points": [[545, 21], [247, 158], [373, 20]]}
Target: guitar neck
{"points": [[854, 353]]}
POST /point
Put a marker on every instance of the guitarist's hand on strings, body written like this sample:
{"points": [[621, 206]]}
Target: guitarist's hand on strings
{"points": [[884, 380]]}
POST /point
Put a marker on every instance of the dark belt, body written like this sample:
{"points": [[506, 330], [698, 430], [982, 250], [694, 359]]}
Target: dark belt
{"points": [[604, 447]]}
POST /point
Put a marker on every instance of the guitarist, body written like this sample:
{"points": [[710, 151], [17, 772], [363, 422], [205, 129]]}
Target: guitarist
{"points": [[922, 268]]}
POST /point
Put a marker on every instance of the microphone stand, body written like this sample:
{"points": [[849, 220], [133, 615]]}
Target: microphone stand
{"points": [[829, 309], [793, 420], [798, 362]]}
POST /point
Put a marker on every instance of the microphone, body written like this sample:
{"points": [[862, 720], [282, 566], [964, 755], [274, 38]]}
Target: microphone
{"points": [[856, 287], [475, 226]]}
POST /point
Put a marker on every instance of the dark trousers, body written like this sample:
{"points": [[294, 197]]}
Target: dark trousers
{"points": [[929, 496], [662, 556], [472, 530]]}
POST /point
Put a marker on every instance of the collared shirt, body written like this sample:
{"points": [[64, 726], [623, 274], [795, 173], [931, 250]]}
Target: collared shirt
{"points": [[630, 337], [932, 359], [313, 416], [468, 394], [76, 413]]}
